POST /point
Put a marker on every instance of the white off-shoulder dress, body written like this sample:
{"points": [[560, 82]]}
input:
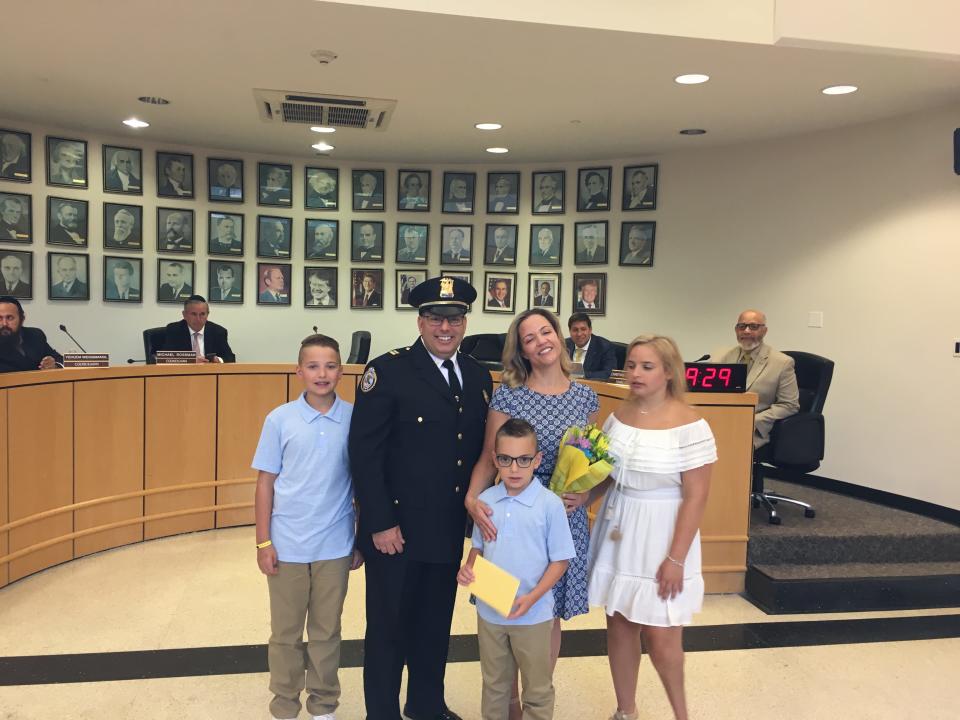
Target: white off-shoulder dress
{"points": [[634, 527]]}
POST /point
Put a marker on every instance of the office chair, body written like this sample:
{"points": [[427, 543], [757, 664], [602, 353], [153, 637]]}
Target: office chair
{"points": [[153, 341], [797, 442], [620, 350], [359, 348], [485, 348]]}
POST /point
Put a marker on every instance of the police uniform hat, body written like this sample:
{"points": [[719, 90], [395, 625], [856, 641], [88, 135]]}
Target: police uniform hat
{"points": [[443, 296]]}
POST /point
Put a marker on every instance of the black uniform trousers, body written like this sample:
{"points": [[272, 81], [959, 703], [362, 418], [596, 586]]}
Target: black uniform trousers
{"points": [[409, 611]]}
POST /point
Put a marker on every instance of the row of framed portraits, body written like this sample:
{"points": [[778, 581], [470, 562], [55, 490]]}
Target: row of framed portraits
{"points": [[67, 225], [69, 278], [66, 166]]}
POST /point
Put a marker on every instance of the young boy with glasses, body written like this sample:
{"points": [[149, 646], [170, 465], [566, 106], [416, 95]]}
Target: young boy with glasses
{"points": [[533, 544]]}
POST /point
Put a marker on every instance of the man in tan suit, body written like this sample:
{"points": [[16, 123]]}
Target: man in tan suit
{"points": [[770, 374]]}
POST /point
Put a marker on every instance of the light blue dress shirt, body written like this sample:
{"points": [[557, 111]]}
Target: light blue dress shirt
{"points": [[532, 532], [313, 516]]}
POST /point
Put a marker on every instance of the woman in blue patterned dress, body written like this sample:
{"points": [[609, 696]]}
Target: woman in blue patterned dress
{"points": [[536, 387]]}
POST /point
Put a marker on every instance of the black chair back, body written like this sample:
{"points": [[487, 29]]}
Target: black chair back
{"points": [[814, 374], [620, 350], [485, 348], [359, 348], [153, 341]]}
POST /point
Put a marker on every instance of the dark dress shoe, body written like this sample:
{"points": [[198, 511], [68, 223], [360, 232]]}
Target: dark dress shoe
{"points": [[445, 714]]}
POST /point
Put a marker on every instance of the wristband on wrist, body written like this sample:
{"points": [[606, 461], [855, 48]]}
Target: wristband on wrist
{"points": [[265, 543], [675, 561]]}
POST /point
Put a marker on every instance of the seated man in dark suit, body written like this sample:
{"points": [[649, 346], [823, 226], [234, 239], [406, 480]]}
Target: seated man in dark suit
{"points": [[208, 340], [22, 348], [595, 353]]}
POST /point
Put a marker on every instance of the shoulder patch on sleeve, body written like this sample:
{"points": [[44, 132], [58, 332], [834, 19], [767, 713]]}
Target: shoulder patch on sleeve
{"points": [[369, 380]]}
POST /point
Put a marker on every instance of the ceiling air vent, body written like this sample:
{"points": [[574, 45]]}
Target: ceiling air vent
{"points": [[341, 111]]}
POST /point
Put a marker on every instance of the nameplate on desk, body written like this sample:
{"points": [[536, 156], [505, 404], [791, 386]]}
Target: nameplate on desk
{"points": [[86, 360], [176, 357], [716, 377]]}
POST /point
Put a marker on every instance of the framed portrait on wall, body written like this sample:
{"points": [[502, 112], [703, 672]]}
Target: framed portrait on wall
{"points": [[122, 227], [66, 162], [456, 243], [321, 239], [16, 273], [369, 187], [225, 233], [66, 222], [274, 184], [413, 190], [320, 287], [593, 189], [640, 187], [501, 245], [175, 175], [174, 230], [321, 188], [503, 191], [459, 191], [544, 291], [16, 218], [273, 284], [273, 236], [122, 170], [366, 242], [636, 243], [225, 281], [548, 192], [413, 241], [122, 279], [225, 180], [68, 276], [546, 245], [16, 155], [174, 280], [590, 293], [499, 292], [407, 280], [591, 243], [366, 289]]}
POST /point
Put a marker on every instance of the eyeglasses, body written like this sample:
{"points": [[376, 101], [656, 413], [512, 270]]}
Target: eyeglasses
{"points": [[752, 327], [523, 461], [437, 320]]}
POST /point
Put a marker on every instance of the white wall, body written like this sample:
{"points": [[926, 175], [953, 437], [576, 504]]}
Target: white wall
{"points": [[860, 223]]}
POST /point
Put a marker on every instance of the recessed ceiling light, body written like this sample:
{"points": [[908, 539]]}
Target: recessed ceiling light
{"points": [[839, 90], [498, 151], [691, 79], [322, 146], [693, 131], [322, 129], [488, 126], [153, 100], [134, 123]]}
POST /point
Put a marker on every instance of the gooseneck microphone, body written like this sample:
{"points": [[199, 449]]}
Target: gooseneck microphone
{"points": [[64, 328], [131, 361], [315, 331], [702, 358]]}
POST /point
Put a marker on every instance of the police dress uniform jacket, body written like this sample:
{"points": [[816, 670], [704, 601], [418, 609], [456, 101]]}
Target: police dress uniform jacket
{"points": [[34, 348], [412, 451], [177, 337]]}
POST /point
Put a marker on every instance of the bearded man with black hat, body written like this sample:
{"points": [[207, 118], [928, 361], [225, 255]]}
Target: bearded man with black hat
{"points": [[22, 348], [416, 432]]}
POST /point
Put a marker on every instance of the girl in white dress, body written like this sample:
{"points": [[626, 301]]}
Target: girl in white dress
{"points": [[645, 545]]}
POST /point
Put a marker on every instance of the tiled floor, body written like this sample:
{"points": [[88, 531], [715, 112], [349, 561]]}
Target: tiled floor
{"points": [[205, 590]]}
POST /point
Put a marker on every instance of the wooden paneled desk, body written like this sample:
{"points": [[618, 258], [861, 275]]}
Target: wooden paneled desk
{"points": [[93, 459]]}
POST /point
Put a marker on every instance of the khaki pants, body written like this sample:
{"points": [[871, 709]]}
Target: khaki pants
{"points": [[502, 649], [311, 593]]}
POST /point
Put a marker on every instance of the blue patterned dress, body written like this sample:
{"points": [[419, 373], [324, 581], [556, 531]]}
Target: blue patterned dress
{"points": [[550, 416]]}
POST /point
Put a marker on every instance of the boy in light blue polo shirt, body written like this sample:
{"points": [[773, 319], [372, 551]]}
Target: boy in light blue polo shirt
{"points": [[533, 544], [305, 533]]}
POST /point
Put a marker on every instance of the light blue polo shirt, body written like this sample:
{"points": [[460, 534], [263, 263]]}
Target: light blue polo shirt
{"points": [[313, 517], [532, 532]]}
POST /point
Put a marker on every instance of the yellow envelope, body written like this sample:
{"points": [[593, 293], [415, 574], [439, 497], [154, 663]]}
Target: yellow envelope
{"points": [[494, 585]]}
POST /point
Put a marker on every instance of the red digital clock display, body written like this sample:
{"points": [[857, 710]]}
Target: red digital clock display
{"points": [[712, 377]]}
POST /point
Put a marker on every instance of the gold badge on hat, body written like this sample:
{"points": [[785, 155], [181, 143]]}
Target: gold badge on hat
{"points": [[369, 380], [446, 287]]}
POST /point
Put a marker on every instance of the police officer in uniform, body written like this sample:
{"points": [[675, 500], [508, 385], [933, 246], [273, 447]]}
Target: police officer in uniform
{"points": [[417, 430]]}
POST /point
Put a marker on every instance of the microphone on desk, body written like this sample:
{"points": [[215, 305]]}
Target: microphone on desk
{"points": [[315, 331], [702, 358], [131, 361], [64, 328]]}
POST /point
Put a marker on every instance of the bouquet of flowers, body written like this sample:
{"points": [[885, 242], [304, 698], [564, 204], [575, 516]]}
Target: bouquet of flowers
{"points": [[584, 460]]}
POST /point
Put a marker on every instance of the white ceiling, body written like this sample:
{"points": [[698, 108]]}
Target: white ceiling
{"points": [[82, 66]]}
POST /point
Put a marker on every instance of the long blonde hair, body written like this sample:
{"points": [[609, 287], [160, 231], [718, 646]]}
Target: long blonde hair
{"points": [[516, 368], [669, 354]]}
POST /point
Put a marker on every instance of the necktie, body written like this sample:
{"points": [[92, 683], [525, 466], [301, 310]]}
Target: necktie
{"points": [[453, 379], [578, 355], [196, 343]]}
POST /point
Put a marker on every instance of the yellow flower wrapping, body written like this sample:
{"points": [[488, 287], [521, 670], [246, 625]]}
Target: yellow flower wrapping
{"points": [[573, 472]]}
